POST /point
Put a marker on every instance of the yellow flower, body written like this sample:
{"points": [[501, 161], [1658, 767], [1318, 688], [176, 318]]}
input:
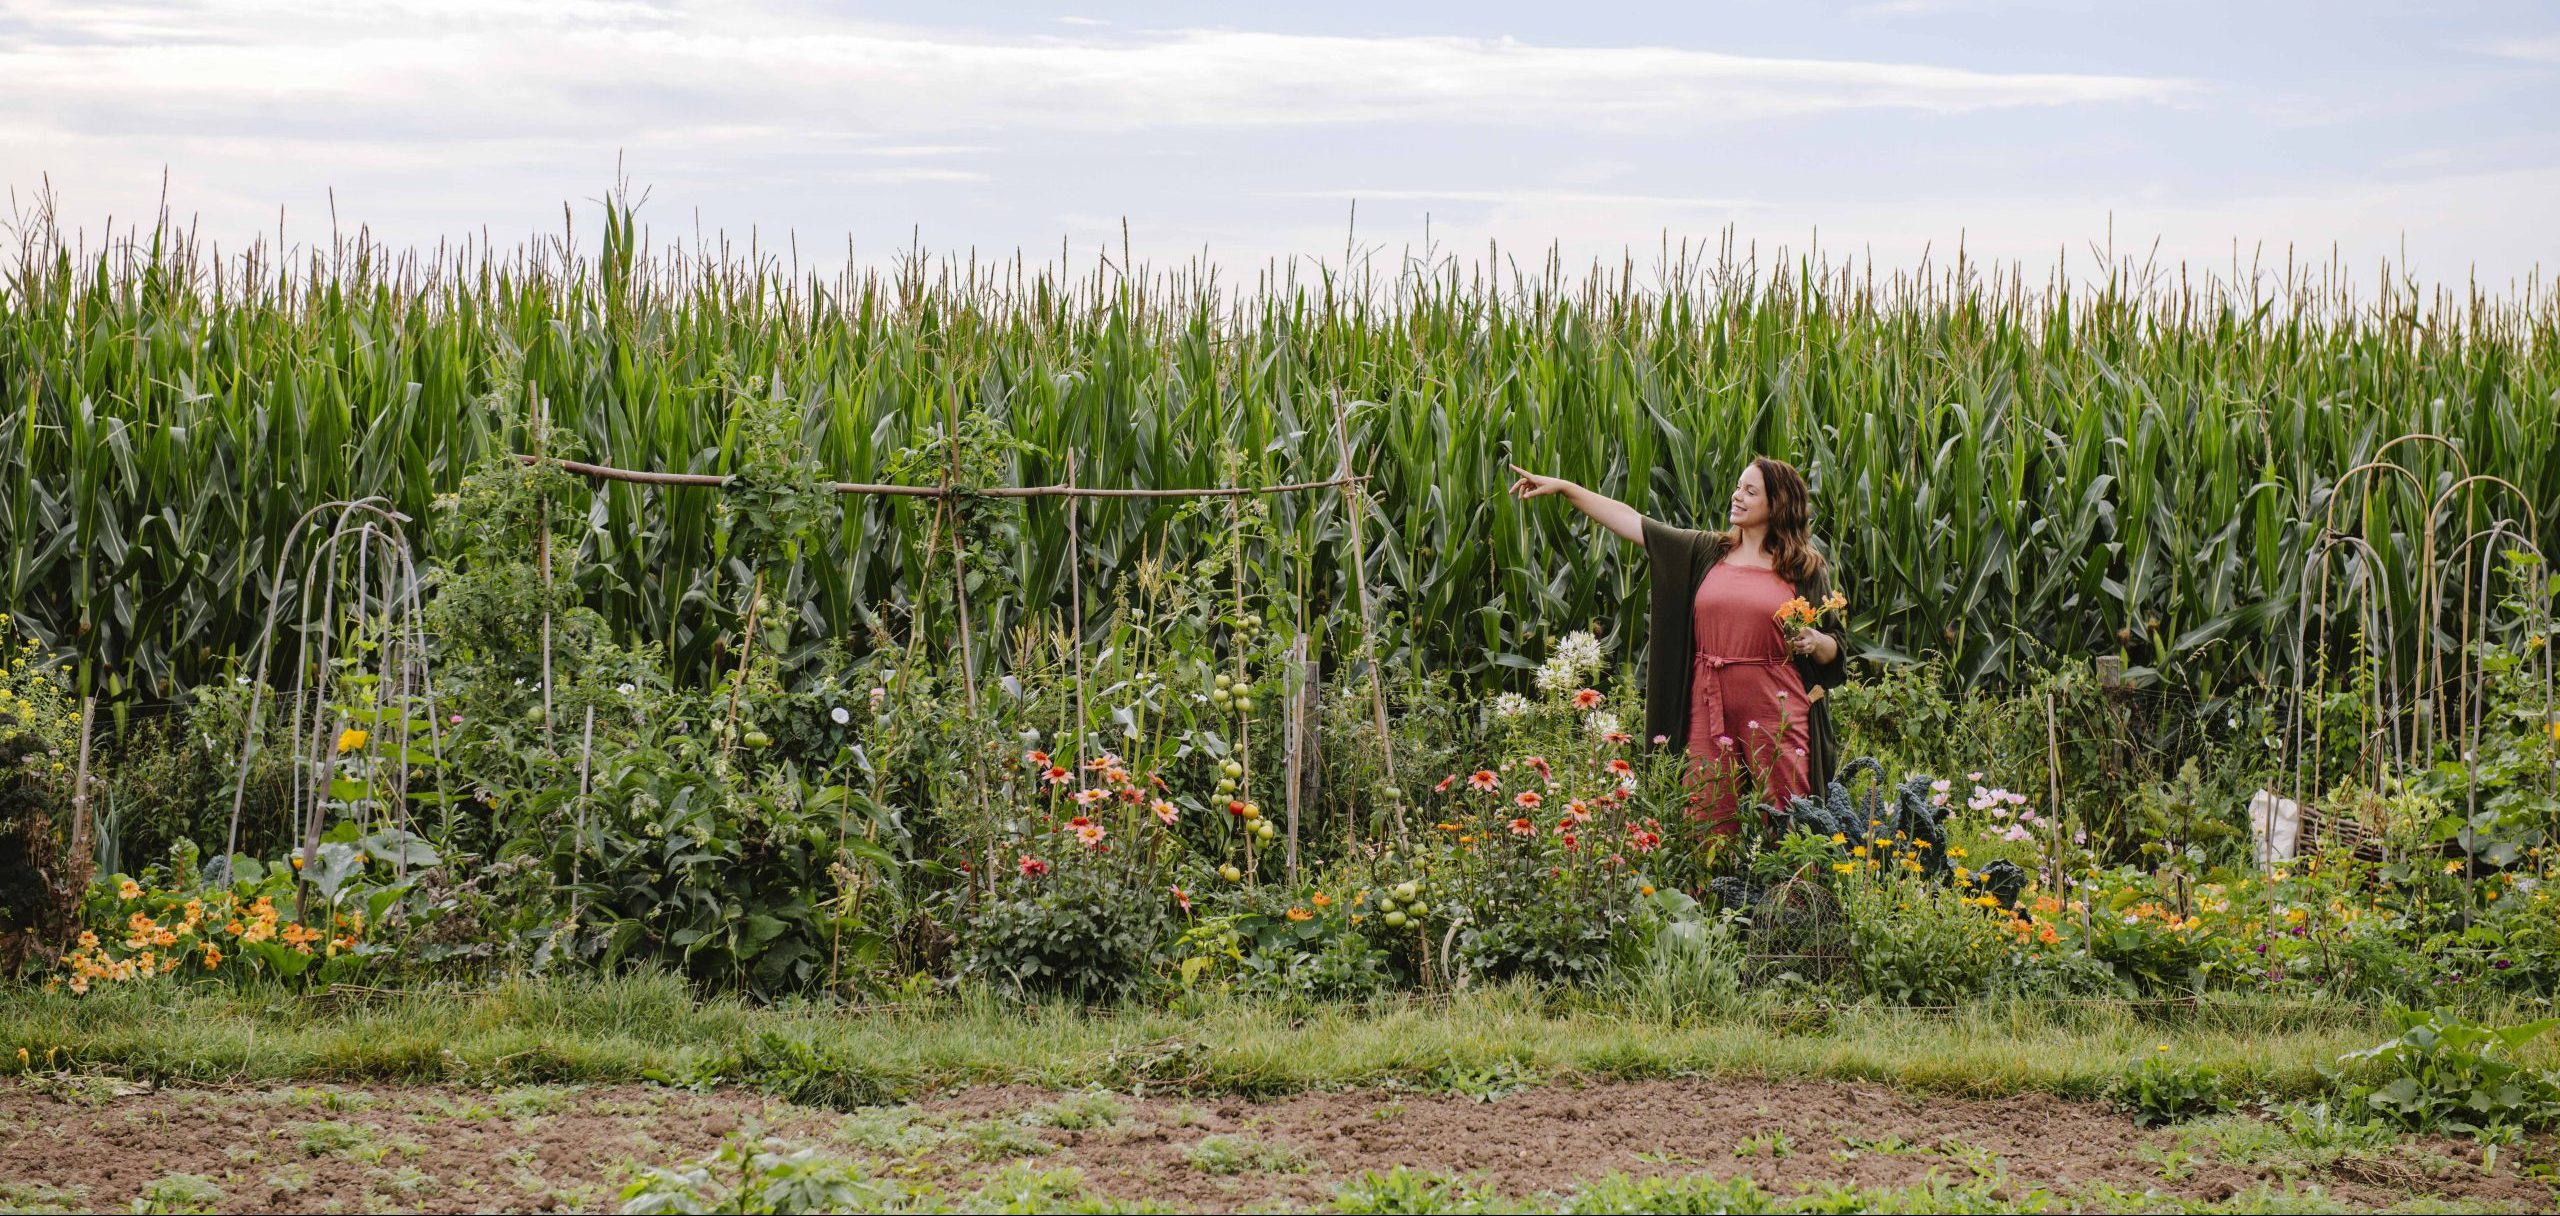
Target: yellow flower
{"points": [[351, 739], [1839, 838], [2164, 1047], [1845, 867], [1859, 851], [128, 889], [2453, 867]]}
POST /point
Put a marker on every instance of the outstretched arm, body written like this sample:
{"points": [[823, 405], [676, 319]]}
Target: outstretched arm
{"points": [[1616, 516]]}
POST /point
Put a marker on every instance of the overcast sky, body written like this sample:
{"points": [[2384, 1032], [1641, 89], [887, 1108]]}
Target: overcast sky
{"points": [[1247, 131]]}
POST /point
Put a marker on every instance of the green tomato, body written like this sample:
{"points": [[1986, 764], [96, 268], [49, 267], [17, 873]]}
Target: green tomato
{"points": [[1419, 911], [1232, 769], [757, 738], [1395, 920], [1230, 873], [1224, 680], [1265, 830], [1245, 704], [1407, 892], [1220, 696], [1387, 903]]}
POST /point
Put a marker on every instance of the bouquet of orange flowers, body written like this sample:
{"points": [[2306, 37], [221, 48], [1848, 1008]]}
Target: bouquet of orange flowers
{"points": [[1798, 614]]}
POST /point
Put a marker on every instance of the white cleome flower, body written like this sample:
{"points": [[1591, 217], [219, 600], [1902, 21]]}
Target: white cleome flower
{"points": [[840, 714], [1579, 651], [1601, 723], [1510, 705], [1556, 677]]}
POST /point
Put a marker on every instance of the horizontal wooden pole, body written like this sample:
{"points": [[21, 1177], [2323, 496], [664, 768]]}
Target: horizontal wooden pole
{"points": [[715, 481]]}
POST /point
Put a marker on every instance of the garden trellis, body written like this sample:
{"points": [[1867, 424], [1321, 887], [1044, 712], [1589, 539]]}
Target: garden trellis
{"points": [[2441, 706]]}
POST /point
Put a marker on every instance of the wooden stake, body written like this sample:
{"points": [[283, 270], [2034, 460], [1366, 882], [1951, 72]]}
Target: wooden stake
{"points": [[746, 651], [1353, 500], [1075, 615], [578, 843], [2053, 774], [542, 539], [81, 866], [1295, 733]]}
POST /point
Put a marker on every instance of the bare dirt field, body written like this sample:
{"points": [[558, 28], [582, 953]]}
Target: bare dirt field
{"points": [[92, 1144]]}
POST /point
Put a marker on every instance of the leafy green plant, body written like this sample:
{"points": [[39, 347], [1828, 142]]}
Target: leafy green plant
{"points": [[1242, 1154], [2445, 1072], [2161, 1090], [760, 1175], [789, 1068], [1408, 1190], [1080, 928]]}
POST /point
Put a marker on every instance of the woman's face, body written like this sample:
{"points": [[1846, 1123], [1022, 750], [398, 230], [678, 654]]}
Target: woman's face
{"points": [[1750, 506]]}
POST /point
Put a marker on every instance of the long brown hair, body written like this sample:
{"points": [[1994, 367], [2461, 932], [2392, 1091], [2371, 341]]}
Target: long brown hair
{"points": [[1790, 537]]}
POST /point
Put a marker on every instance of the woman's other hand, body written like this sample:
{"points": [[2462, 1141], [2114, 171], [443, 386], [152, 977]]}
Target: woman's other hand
{"points": [[1815, 644]]}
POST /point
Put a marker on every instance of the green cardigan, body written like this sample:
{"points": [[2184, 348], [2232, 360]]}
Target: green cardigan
{"points": [[1680, 559]]}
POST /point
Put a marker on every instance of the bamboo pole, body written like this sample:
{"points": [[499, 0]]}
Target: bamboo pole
{"points": [[1062, 490]]}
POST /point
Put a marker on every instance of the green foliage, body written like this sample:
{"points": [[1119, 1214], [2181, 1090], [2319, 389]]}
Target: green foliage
{"points": [[39, 730], [1917, 942], [751, 1175], [2162, 1090], [1242, 1154], [2445, 1072], [1692, 966], [1408, 1190], [790, 1068], [180, 1193], [1083, 929]]}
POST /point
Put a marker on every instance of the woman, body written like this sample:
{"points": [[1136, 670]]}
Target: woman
{"points": [[1738, 693]]}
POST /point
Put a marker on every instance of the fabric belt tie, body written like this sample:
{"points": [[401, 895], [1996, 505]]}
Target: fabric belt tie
{"points": [[1712, 703]]}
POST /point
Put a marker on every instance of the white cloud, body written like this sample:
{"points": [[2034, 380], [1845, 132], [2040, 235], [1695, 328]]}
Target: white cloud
{"points": [[327, 71], [1671, 202], [2531, 50]]}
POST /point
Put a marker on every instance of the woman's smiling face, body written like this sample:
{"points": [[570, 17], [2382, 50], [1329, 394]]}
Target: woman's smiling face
{"points": [[1750, 505]]}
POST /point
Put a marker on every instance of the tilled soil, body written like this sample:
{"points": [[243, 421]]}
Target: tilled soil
{"points": [[1785, 1135], [353, 1148], [87, 1146]]}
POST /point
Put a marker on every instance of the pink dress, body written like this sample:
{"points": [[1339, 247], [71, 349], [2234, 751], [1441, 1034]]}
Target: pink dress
{"points": [[1746, 702]]}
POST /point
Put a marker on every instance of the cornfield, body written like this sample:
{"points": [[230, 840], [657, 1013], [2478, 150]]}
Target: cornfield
{"points": [[2005, 473]]}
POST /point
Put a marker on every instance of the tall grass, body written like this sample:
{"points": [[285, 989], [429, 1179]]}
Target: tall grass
{"points": [[2132, 466], [622, 1028]]}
